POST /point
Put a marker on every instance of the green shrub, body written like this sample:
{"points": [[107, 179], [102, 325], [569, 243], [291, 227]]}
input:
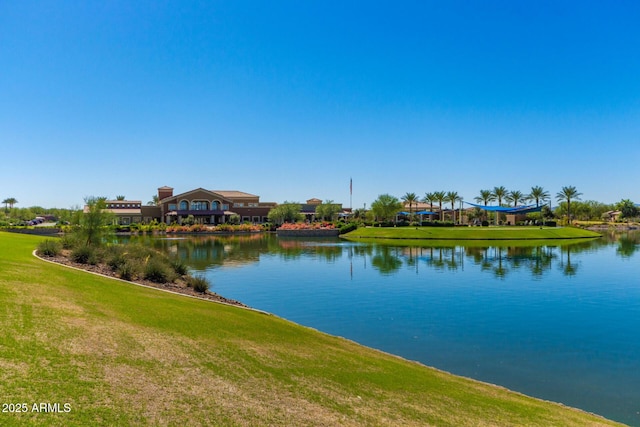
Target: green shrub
{"points": [[179, 266], [348, 227], [50, 247], [84, 255], [70, 241], [157, 272], [198, 283], [127, 270]]}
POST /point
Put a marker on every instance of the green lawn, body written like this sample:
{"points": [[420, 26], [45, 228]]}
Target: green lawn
{"points": [[119, 354], [471, 233]]}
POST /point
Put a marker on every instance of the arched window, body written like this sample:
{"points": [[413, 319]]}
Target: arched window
{"points": [[214, 205], [184, 205], [200, 205]]}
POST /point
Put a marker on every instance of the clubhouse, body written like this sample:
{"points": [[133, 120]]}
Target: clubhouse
{"points": [[206, 207]]}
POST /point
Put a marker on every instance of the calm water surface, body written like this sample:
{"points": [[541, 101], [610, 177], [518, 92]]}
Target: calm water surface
{"points": [[557, 322]]}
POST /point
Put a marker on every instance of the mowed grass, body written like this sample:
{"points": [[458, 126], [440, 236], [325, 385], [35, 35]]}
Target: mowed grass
{"points": [[471, 233], [119, 354]]}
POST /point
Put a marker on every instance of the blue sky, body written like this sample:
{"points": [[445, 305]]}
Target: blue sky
{"points": [[290, 99]]}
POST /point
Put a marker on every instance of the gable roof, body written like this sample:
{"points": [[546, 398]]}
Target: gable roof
{"points": [[235, 194]]}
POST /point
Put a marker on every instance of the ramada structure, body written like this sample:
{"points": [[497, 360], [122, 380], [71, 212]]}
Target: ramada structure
{"points": [[206, 207]]}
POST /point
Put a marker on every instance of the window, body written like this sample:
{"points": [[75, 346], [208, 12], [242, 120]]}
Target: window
{"points": [[225, 207], [184, 205], [214, 206], [238, 205], [246, 219], [253, 205], [199, 205], [172, 206], [256, 219]]}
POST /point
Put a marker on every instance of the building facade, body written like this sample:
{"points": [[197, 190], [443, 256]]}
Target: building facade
{"points": [[211, 206]]}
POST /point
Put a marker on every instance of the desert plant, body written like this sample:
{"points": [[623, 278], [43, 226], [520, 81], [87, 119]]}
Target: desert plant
{"points": [[179, 266], [198, 283], [127, 270], [83, 254], [157, 272], [50, 248]]}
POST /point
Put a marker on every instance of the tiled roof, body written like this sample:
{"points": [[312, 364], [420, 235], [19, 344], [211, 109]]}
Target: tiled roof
{"points": [[233, 194]]}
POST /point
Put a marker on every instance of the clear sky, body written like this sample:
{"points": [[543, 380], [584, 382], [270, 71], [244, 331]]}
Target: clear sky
{"points": [[291, 99]]}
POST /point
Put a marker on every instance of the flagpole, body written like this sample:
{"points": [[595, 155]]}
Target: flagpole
{"points": [[351, 194]]}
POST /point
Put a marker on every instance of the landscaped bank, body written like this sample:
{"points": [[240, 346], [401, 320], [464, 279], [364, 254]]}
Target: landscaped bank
{"points": [[471, 233], [118, 354]]}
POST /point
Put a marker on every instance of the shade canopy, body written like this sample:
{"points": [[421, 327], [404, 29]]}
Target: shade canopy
{"points": [[508, 210]]}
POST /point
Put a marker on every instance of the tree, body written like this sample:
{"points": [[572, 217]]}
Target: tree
{"points": [[93, 224], [440, 196], [567, 194], [538, 195], [499, 193], [286, 212], [155, 201], [515, 197], [627, 208], [385, 207], [453, 197], [429, 198], [410, 198], [120, 197], [327, 210], [10, 201], [485, 197]]}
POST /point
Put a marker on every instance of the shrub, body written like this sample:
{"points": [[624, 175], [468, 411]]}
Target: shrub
{"points": [[49, 247], [179, 266], [157, 271], [198, 283], [69, 241], [348, 227], [84, 254], [127, 270]]}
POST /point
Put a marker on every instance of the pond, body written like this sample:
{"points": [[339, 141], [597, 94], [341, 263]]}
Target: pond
{"points": [[559, 321]]}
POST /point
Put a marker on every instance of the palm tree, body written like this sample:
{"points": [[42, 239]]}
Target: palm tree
{"points": [[429, 198], [453, 197], [155, 201], [10, 201], [538, 195], [485, 197], [410, 198], [120, 197], [499, 193], [440, 196], [514, 197], [567, 194]]}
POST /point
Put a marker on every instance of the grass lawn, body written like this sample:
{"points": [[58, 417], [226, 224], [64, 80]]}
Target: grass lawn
{"points": [[119, 354], [471, 233]]}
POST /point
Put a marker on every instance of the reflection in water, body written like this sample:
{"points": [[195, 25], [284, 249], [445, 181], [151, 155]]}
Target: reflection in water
{"points": [[204, 252]]}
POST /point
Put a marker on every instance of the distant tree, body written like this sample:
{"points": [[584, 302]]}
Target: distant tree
{"points": [[515, 197], [286, 212], [627, 209], [155, 201], [568, 194], [429, 198], [386, 206], [410, 198], [538, 195], [499, 193], [10, 201], [485, 197], [327, 210], [453, 197], [94, 223], [440, 197], [120, 197]]}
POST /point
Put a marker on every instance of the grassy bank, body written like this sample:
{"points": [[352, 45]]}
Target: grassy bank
{"points": [[124, 355], [471, 233]]}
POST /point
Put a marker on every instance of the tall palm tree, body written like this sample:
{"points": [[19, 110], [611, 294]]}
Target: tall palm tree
{"points": [[429, 198], [120, 197], [440, 196], [538, 194], [485, 197], [453, 197], [567, 194], [10, 201], [514, 197], [155, 201], [410, 198], [499, 193]]}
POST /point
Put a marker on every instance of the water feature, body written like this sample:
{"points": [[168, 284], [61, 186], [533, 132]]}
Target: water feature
{"points": [[559, 321]]}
